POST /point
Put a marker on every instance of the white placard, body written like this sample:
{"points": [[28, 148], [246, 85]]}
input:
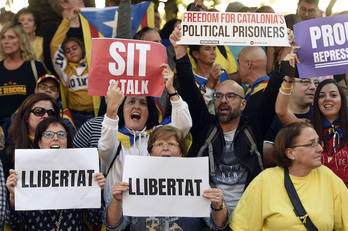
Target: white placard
{"points": [[234, 29], [162, 186], [56, 179]]}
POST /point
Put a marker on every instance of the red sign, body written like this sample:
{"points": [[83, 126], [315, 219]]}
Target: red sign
{"points": [[134, 63]]}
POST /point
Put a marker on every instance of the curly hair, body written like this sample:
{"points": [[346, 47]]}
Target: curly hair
{"points": [[27, 52]]}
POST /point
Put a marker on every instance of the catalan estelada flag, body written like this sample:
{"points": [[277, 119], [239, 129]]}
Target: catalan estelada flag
{"points": [[102, 22]]}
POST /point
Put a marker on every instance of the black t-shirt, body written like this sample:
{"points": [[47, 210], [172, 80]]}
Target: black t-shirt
{"points": [[16, 85], [277, 125]]}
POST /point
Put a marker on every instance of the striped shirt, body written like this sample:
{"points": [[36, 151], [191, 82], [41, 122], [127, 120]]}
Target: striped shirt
{"points": [[89, 133]]}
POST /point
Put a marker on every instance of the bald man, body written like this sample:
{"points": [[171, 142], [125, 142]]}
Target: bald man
{"points": [[234, 158], [252, 69]]}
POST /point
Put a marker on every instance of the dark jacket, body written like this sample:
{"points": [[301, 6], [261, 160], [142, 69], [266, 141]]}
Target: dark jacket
{"points": [[258, 122]]}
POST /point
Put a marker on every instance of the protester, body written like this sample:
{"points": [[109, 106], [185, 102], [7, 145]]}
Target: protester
{"points": [[252, 63], [329, 119], [5, 17], [64, 8], [265, 204], [51, 133], [49, 84], [300, 103], [134, 118], [307, 9], [33, 110], [30, 22], [236, 159], [72, 70], [18, 70], [164, 141]]}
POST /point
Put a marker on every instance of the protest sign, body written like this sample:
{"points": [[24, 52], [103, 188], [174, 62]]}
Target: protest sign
{"points": [[134, 63], [56, 179], [324, 46], [161, 186], [234, 29]]}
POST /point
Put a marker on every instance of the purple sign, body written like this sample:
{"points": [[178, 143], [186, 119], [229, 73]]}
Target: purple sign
{"points": [[324, 46]]}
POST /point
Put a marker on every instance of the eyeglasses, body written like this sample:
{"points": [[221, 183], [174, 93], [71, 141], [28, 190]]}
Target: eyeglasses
{"points": [[50, 134], [310, 11], [230, 96], [39, 111], [161, 144], [44, 87], [307, 82], [314, 144]]}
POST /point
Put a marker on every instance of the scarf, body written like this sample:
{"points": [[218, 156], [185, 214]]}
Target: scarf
{"points": [[333, 131]]}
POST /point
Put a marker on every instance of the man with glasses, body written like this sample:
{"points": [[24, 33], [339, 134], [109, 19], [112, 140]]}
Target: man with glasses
{"points": [[49, 84], [300, 103], [230, 140], [307, 9]]}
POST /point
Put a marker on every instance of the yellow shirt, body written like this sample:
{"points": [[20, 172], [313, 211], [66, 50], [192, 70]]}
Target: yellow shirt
{"points": [[265, 204], [37, 45]]}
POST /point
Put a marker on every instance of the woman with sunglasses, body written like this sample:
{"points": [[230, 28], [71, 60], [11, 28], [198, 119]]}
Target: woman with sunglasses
{"points": [[329, 119], [266, 203], [51, 133], [33, 110]]}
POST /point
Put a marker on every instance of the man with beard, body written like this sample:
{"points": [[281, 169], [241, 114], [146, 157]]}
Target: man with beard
{"points": [[300, 103], [234, 158]]}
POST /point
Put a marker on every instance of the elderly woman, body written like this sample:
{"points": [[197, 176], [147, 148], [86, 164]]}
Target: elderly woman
{"points": [[266, 203], [166, 141], [30, 22], [18, 70], [51, 133]]}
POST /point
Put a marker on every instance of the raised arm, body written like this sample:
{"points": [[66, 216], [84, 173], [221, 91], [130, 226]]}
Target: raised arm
{"points": [[282, 103], [108, 142]]}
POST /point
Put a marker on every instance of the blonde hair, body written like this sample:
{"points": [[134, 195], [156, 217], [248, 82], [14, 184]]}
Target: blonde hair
{"points": [[27, 52]]}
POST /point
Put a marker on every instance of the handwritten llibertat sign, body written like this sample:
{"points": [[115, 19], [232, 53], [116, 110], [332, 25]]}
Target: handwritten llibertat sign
{"points": [[134, 63], [161, 186], [56, 179], [324, 46], [234, 29]]}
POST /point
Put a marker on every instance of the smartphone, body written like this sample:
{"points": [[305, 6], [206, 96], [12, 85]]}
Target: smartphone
{"points": [[287, 69]]}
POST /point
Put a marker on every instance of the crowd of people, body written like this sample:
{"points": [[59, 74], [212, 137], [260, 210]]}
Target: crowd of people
{"points": [[277, 144]]}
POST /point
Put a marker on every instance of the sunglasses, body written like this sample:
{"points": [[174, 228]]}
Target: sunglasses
{"points": [[39, 111], [50, 134]]}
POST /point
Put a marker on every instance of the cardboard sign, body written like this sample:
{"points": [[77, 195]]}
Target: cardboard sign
{"points": [[235, 29], [134, 63], [324, 46], [56, 179], [166, 186]]}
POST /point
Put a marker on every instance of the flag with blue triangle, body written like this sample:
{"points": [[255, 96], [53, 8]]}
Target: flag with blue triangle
{"points": [[104, 20]]}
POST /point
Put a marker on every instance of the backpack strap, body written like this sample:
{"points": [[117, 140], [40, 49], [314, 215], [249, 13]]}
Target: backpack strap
{"points": [[253, 148], [208, 143], [33, 68], [296, 202], [113, 160]]}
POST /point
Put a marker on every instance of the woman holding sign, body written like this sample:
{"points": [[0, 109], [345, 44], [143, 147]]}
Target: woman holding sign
{"points": [[51, 133], [165, 141], [329, 119], [134, 118]]}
